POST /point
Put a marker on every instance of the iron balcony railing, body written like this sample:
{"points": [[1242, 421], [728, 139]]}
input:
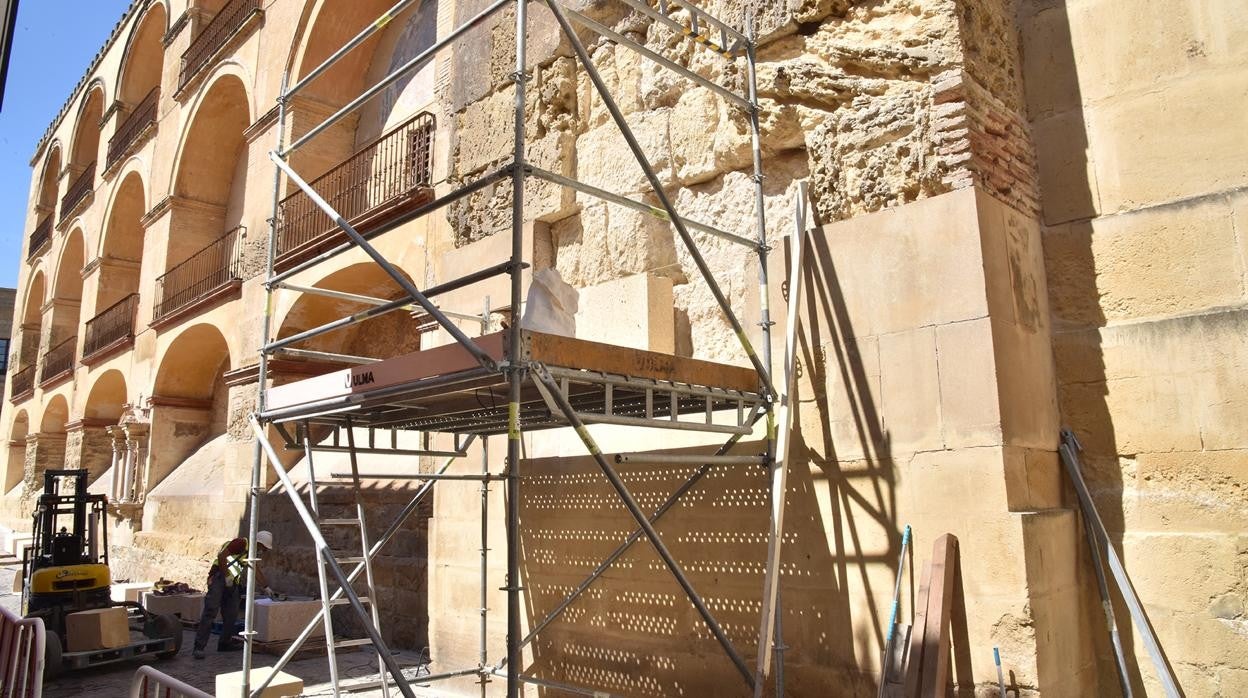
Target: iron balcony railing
{"points": [[229, 20], [58, 360], [377, 178], [116, 324], [143, 116], [23, 381], [40, 238], [205, 272], [78, 191]]}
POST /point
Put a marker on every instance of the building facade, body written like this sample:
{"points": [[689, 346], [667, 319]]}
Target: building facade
{"points": [[1024, 221]]}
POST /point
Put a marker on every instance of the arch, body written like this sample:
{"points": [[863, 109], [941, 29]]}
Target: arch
{"points": [[49, 182], [328, 24], [36, 296], [55, 416], [190, 400], [129, 192], [67, 290], [122, 240], [67, 285], [143, 59], [21, 426], [211, 167], [366, 279], [211, 140], [108, 397], [16, 468], [194, 364], [85, 146]]}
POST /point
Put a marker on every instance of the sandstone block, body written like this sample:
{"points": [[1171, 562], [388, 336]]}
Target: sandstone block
{"points": [[1048, 61], [1051, 540], [1027, 386], [910, 386], [843, 416], [604, 159], [1146, 155], [635, 312], [284, 620], [1157, 262], [694, 131], [969, 410], [130, 591], [1068, 177], [282, 686], [19, 541], [1033, 479], [1184, 40], [186, 606], [97, 629], [928, 266]]}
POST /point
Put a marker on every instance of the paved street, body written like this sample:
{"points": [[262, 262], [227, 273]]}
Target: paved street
{"points": [[114, 681]]}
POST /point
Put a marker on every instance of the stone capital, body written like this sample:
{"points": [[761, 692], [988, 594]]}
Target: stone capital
{"points": [[61, 304], [110, 263], [88, 424], [185, 403], [171, 204], [41, 437]]}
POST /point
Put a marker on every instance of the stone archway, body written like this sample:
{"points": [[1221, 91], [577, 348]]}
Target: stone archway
{"points": [[89, 444], [144, 57], [31, 341], [45, 449], [84, 153], [17, 450], [206, 233], [190, 400], [64, 311], [117, 271], [332, 23], [390, 335], [45, 204]]}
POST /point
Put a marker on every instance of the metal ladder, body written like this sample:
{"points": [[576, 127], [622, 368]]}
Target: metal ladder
{"points": [[332, 644]]}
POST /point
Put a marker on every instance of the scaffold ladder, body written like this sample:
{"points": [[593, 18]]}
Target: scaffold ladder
{"points": [[328, 598], [329, 568]]}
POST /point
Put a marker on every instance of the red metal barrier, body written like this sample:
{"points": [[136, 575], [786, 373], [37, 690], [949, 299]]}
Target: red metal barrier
{"points": [[21, 655]]}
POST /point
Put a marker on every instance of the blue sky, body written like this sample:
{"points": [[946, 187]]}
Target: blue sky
{"points": [[55, 42]]}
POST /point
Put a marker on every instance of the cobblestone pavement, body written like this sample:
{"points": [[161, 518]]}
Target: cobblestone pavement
{"points": [[113, 681]]}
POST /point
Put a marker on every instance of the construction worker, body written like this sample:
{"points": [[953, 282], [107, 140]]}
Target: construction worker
{"points": [[226, 582]]}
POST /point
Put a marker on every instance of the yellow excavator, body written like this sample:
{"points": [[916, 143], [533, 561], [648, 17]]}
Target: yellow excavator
{"points": [[66, 571]]}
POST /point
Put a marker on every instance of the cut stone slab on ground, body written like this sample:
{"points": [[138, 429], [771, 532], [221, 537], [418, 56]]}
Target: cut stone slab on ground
{"points": [[114, 680]]}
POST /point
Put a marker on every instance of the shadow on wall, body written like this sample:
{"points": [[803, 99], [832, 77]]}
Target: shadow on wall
{"points": [[1070, 202], [636, 633]]}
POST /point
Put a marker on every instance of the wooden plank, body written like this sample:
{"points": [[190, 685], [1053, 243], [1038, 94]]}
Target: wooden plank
{"points": [[914, 660], [935, 672], [567, 352], [553, 350]]}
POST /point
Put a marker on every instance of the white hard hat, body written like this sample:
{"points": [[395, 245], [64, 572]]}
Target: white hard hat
{"points": [[265, 538]]}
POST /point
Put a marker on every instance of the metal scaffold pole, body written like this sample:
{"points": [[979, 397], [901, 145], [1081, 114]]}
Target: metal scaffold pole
{"points": [[257, 471], [514, 367]]}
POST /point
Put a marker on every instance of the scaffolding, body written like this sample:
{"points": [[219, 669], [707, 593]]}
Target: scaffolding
{"points": [[537, 381]]}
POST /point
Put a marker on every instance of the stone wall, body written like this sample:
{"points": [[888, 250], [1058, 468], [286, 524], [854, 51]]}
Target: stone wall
{"points": [[927, 360], [1138, 114], [875, 104]]}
